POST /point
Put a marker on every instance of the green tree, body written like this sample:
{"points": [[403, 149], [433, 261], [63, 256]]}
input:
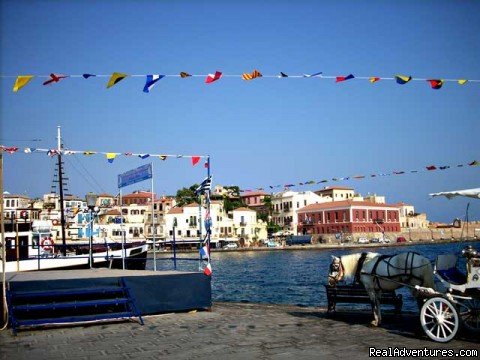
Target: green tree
{"points": [[186, 196]]}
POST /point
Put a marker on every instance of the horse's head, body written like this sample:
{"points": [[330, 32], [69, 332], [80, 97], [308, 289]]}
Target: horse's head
{"points": [[335, 272]]}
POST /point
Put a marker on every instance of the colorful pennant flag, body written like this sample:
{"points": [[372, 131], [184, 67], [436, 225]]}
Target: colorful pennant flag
{"points": [[402, 79], [374, 79], [86, 76], [474, 163], [21, 81], [54, 78], [184, 74], [143, 156], [435, 84], [10, 150], [115, 79], [318, 74], [282, 75], [431, 167], [213, 77], [204, 186], [204, 252], [52, 152], [28, 150], [344, 78], [128, 154], [251, 76], [206, 165], [195, 160], [163, 157], [208, 270], [89, 153], [462, 81], [151, 80], [111, 157]]}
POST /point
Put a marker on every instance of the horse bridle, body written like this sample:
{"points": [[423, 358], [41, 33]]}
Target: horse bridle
{"points": [[339, 275]]}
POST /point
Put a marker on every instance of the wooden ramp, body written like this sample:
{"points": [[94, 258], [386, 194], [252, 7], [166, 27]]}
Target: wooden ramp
{"points": [[65, 293]]}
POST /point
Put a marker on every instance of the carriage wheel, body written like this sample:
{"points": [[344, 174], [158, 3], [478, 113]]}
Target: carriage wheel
{"points": [[439, 319], [469, 311]]}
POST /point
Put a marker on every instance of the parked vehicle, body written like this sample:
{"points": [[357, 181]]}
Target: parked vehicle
{"points": [[272, 244], [299, 240], [401, 239], [374, 240], [230, 246], [362, 240], [385, 240]]}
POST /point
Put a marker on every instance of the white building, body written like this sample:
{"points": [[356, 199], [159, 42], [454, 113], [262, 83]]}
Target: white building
{"points": [[246, 227], [286, 203]]}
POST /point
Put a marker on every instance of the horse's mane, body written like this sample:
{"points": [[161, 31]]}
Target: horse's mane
{"points": [[350, 262]]}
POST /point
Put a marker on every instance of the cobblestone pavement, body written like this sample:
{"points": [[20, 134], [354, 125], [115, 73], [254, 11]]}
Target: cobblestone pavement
{"points": [[230, 331]]}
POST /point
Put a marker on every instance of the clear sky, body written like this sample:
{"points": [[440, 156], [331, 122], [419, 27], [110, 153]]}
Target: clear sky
{"points": [[264, 132]]}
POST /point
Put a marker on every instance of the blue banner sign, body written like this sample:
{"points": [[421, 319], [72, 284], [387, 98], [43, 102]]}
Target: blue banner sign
{"points": [[141, 173]]}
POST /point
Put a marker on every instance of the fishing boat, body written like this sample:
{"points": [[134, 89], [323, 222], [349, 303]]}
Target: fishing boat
{"points": [[29, 246]]}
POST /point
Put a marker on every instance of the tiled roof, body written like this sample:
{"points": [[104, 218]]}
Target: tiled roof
{"points": [[342, 204], [328, 188], [253, 193], [138, 195], [176, 210], [243, 209]]}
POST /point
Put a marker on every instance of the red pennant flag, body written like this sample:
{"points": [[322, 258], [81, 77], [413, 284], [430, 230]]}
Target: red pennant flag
{"points": [[431, 167], [54, 78], [213, 77], [195, 160], [207, 163], [10, 150], [208, 270]]}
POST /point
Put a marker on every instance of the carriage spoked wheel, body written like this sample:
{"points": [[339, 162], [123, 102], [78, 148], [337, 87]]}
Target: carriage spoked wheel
{"points": [[469, 312], [439, 319]]}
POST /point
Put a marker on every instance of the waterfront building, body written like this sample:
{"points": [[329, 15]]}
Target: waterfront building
{"points": [[286, 204], [348, 216], [336, 193], [409, 219], [160, 208], [255, 201], [139, 197], [246, 227]]}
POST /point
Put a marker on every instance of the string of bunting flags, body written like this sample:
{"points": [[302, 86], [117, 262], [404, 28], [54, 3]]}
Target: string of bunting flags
{"points": [[110, 156], [152, 79], [428, 168]]}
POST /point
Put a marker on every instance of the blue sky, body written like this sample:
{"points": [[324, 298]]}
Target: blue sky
{"points": [[264, 132]]}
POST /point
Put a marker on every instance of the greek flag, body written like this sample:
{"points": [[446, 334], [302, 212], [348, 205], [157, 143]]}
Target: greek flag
{"points": [[151, 80], [204, 186]]}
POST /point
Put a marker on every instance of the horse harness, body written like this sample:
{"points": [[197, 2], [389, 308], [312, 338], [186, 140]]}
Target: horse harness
{"points": [[408, 269]]}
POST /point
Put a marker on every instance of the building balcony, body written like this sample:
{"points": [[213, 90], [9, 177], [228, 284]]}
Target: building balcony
{"points": [[192, 225], [307, 223], [243, 224]]}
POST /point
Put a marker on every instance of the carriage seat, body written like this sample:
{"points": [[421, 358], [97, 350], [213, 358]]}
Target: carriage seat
{"points": [[453, 276], [446, 268]]}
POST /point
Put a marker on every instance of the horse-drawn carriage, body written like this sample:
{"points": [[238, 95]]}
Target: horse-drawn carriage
{"points": [[442, 311], [458, 304]]}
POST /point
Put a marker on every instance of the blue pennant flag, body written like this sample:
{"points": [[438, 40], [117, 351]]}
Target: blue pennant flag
{"points": [[151, 80]]}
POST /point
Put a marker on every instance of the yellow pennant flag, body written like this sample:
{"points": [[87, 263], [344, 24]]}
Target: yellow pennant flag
{"points": [[111, 157], [21, 81], [462, 81], [115, 78], [89, 153]]}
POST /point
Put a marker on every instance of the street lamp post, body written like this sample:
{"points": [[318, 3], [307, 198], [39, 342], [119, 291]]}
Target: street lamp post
{"points": [[174, 245], [91, 202]]}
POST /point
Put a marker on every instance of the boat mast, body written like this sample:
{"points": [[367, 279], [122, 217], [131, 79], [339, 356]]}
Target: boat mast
{"points": [[60, 181]]}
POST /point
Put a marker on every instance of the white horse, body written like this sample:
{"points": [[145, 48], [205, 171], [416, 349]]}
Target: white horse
{"points": [[383, 272]]}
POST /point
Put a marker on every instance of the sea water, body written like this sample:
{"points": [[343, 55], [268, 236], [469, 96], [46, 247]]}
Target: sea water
{"points": [[294, 277]]}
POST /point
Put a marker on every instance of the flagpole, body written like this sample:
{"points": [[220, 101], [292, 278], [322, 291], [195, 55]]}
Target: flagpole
{"points": [[208, 209], [153, 228], [121, 228]]}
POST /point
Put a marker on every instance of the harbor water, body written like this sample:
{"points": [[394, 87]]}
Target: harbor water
{"points": [[294, 277]]}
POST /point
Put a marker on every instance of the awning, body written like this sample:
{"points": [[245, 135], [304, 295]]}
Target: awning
{"points": [[473, 193]]}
